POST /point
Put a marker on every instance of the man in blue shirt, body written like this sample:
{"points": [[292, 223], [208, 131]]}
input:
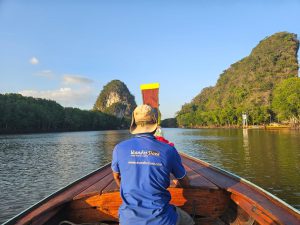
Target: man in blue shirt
{"points": [[142, 166]]}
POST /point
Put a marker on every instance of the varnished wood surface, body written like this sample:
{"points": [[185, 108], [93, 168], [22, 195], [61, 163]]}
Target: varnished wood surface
{"points": [[97, 187], [205, 203], [107, 184], [197, 180]]}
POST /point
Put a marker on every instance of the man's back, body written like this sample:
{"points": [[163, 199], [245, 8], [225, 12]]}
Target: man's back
{"points": [[145, 165]]}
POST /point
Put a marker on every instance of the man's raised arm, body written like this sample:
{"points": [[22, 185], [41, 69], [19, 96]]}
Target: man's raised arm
{"points": [[184, 182]]}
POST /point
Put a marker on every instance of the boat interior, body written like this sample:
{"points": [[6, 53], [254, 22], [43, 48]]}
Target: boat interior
{"points": [[215, 197]]}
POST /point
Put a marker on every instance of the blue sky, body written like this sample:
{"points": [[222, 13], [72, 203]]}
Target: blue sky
{"points": [[67, 50]]}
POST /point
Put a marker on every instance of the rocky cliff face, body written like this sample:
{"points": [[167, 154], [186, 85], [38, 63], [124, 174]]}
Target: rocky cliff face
{"points": [[115, 99]]}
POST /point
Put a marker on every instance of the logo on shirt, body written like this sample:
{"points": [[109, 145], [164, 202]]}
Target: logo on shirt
{"points": [[145, 163], [143, 153]]}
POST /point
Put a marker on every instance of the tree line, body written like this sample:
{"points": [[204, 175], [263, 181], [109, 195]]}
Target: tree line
{"points": [[284, 108], [20, 114]]}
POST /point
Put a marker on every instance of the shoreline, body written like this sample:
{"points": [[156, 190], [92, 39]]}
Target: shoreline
{"points": [[51, 131], [252, 127]]}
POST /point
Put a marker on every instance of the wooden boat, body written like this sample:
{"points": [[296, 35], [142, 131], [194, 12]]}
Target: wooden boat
{"points": [[215, 197], [277, 126]]}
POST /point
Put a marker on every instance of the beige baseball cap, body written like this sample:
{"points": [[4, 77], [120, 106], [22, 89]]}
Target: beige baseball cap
{"points": [[143, 120]]}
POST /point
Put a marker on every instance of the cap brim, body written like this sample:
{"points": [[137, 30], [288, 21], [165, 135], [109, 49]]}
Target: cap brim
{"points": [[147, 128]]}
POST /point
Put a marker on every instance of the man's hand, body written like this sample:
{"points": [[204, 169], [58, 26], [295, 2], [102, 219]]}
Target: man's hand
{"points": [[117, 178], [184, 182]]}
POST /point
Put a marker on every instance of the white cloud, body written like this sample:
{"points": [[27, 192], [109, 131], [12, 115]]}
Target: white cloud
{"points": [[45, 73], [75, 90], [83, 97], [76, 79], [34, 61]]}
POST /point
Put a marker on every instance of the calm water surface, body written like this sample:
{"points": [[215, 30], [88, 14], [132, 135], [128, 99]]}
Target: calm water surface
{"points": [[33, 166]]}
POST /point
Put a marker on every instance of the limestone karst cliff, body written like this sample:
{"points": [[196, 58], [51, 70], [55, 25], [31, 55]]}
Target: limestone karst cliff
{"points": [[115, 99]]}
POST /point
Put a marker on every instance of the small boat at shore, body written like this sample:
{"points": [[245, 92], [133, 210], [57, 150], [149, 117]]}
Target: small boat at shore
{"points": [[277, 126], [215, 197]]}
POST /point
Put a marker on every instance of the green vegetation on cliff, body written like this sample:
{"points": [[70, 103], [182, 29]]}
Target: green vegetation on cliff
{"points": [[115, 99], [286, 101], [247, 86], [20, 114]]}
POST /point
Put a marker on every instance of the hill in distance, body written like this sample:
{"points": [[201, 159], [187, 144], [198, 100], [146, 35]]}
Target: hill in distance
{"points": [[115, 99], [247, 86]]}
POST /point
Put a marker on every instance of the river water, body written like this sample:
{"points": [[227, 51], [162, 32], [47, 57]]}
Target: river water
{"points": [[32, 166]]}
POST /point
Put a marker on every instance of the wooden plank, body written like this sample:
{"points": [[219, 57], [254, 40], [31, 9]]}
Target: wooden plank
{"points": [[198, 180], [253, 211], [209, 203], [90, 215], [59, 198], [42, 219], [214, 177], [270, 206], [107, 184], [112, 187], [96, 188], [95, 208], [204, 202]]}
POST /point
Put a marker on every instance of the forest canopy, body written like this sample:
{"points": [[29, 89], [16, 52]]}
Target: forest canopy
{"points": [[27, 114]]}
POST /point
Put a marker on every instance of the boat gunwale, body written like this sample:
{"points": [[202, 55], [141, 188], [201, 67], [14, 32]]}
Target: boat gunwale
{"points": [[14, 219], [269, 195]]}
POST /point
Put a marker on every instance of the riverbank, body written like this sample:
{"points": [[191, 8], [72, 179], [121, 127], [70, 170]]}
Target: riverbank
{"points": [[53, 131], [269, 126], [262, 127]]}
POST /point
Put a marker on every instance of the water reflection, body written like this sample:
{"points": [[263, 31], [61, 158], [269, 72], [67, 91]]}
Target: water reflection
{"points": [[246, 146], [33, 166], [245, 140]]}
